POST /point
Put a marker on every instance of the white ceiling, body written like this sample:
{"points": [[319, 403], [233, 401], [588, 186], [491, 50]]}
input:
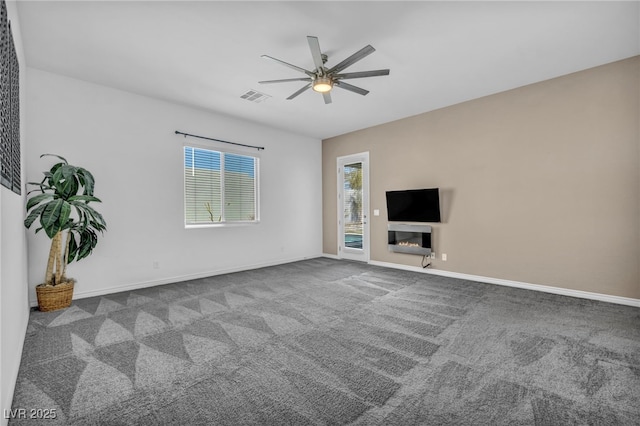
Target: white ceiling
{"points": [[206, 54]]}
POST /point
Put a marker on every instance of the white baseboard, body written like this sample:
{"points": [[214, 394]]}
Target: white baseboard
{"points": [[517, 284], [498, 281], [331, 256], [179, 278]]}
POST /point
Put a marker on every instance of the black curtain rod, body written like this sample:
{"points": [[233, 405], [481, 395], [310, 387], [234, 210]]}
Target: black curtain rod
{"points": [[218, 140]]}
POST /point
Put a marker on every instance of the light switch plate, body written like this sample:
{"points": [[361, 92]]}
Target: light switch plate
{"points": [[376, 212]]}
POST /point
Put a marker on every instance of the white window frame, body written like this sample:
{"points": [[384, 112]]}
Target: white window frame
{"points": [[222, 152]]}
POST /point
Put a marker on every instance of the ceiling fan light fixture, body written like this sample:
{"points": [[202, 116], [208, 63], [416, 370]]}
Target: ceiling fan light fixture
{"points": [[323, 84]]}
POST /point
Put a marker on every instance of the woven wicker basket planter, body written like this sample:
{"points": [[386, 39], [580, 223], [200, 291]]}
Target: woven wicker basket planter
{"points": [[51, 298]]}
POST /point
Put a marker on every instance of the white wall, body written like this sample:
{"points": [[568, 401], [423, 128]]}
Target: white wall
{"points": [[128, 142], [14, 305]]}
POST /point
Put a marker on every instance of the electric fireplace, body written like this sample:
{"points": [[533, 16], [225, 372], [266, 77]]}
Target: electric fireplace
{"points": [[412, 239]]}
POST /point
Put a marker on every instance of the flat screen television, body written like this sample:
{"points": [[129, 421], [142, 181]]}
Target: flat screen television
{"points": [[414, 205]]}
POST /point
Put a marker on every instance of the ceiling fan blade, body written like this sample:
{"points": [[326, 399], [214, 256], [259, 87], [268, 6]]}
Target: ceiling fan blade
{"points": [[284, 80], [314, 45], [327, 97], [299, 91], [350, 87], [367, 50], [361, 74], [309, 73]]}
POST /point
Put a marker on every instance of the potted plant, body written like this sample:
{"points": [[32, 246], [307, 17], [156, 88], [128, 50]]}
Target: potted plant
{"points": [[61, 203]]}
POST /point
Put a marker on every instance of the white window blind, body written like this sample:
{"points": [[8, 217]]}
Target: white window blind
{"points": [[219, 187]]}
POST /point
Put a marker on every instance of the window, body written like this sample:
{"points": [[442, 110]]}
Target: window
{"points": [[219, 187]]}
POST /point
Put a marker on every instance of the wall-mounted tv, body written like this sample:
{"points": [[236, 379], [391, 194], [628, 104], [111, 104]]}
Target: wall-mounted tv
{"points": [[414, 205]]}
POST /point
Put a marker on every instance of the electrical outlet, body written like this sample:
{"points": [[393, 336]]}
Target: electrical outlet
{"points": [[444, 257], [433, 254], [156, 264]]}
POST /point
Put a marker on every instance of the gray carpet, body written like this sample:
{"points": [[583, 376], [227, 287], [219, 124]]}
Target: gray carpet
{"points": [[327, 342]]}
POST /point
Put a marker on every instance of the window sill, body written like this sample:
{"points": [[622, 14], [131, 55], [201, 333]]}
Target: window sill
{"points": [[222, 225]]}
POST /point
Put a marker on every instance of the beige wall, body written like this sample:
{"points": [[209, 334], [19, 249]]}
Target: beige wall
{"points": [[539, 184]]}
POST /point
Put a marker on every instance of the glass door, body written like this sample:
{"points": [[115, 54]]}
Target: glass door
{"points": [[353, 207]]}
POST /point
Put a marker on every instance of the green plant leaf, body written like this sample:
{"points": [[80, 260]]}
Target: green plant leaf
{"points": [[88, 213], [35, 213], [66, 171], [99, 219], [86, 180], [98, 226], [88, 241], [69, 224], [35, 200], [40, 190], [36, 183], [49, 176], [65, 212], [65, 181], [85, 198], [73, 248], [55, 155], [50, 217]]}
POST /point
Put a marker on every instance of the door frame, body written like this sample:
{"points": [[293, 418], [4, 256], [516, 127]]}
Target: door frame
{"points": [[363, 254]]}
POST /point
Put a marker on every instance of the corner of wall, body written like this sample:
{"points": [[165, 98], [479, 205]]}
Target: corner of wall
{"points": [[14, 300]]}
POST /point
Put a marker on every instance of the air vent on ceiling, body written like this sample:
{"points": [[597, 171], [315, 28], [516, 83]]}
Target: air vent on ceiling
{"points": [[255, 96]]}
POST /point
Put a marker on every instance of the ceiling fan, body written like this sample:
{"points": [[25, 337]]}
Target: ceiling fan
{"points": [[323, 79]]}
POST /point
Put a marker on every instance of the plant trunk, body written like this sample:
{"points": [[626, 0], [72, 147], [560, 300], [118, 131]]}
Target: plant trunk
{"points": [[51, 263], [56, 265], [58, 258], [66, 255]]}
